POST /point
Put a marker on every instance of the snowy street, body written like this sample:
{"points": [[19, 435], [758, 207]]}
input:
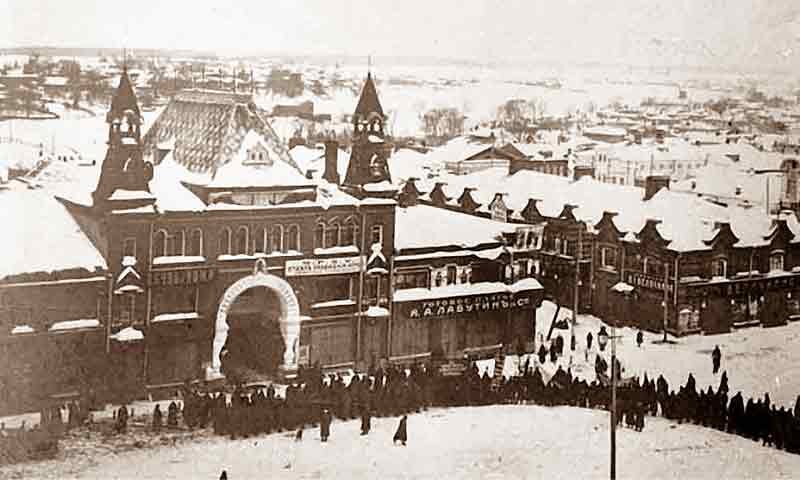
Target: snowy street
{"points": [[473, 442]]}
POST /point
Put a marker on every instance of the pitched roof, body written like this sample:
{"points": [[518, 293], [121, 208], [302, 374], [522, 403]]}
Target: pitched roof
{"points": [[208, 128], [124, 99], [368, 102]]}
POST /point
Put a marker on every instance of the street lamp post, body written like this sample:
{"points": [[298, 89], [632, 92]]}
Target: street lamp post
{"points": [[625, 290]]}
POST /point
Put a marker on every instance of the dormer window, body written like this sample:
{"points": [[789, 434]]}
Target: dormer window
{"points": [[257, 155]]}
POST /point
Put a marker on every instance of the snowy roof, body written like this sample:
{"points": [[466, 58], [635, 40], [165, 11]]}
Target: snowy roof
{"points": [[40, 235], [209, 127], [687, 220], [308, 158], [74, 324], [240, 173], [423, 226], [127, 334]]}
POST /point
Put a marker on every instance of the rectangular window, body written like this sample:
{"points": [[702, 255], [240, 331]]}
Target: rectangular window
{"points": [[608, 257], [377, 234], [330, 289], [452, 273], [720, 268], [412, 279], [776, 262], [129, 247]]}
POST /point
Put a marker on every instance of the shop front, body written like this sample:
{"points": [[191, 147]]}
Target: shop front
{"points": [[447, 323]]}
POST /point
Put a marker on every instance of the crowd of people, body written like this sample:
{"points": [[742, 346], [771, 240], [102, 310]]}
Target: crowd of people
{"points": [[316, 400]]}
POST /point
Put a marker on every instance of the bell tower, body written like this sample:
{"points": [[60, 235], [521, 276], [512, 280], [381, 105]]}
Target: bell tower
{"points": [[369, 159], [124, 167]]}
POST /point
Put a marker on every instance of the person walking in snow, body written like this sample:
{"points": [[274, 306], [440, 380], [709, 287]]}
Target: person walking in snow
{"points": [[589, 339], [366, 421], [639, 338], [325, 425], [401, 434], [158, 418], [716, 357], [223, 475]]}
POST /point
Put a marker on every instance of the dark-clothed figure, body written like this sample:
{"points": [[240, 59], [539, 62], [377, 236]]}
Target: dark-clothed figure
{"points": [[325, 425], [223, 475], [639, 339], [299, 434], [716, 357], [401, 435], [158, 418], [366, 421], [589, 339]]}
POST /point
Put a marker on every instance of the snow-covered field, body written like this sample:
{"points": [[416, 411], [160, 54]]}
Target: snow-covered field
{"points": [[480, 442]]}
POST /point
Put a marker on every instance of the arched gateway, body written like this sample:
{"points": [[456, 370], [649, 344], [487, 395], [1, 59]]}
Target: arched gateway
{"points": [[289, 319]]}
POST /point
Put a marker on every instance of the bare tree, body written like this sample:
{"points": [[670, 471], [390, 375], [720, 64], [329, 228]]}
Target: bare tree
{"points": [[443, 123]]}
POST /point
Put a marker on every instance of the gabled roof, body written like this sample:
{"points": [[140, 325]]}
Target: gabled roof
{"points": [[368, 102], [208, 128]]}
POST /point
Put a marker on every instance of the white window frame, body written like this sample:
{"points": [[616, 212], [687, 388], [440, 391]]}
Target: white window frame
{"points": [[774, 255], [379, 229]]}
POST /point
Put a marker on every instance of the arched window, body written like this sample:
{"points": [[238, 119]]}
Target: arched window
{"points": [[242, 240], [332, 233], [195, 245], [292, 238], [160, 243], [262, 241], [276, 238], [349, 229], [644, 266], [224, 242], [175, 243], [319, 234]]}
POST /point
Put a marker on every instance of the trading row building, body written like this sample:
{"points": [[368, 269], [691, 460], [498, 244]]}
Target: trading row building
{"points": [[203, 251]]}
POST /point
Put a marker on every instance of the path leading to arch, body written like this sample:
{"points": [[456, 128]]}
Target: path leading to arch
{"points": [[480, 442]]}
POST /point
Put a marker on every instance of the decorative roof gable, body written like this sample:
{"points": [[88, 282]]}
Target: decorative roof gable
{"points": [[607, 229], [649, 234], [467, 202], [531, 212], [723, 236], [368, 102]]}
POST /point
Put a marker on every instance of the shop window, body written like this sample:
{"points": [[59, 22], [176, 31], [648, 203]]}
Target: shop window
{"points": [[377, 235], [412, 279], [330, 289], [452, 273], [292, 238], [776, 262], [465, 275], [129, 247], [195, 245], [174, 299], [719, 268]]}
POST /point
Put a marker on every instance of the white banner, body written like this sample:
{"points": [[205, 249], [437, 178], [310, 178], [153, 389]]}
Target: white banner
{"points": [[322, 266]]}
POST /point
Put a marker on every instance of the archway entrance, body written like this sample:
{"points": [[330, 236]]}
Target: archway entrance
{"points": [[269, 303]]}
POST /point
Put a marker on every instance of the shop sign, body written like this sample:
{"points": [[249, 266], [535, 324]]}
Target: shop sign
{"points": [[322, 266], [648, 281], [750, 286], [191, 276], [469, 304]]}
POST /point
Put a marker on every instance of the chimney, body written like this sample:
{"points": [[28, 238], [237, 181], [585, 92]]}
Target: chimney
{"points": [[654, 183], [331, 173], [582, 171]]}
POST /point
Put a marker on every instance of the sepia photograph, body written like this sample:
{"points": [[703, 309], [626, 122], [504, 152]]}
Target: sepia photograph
{"points": [[331, 239]]}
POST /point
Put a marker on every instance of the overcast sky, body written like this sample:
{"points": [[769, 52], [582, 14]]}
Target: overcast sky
{"points": [[714, 32]]}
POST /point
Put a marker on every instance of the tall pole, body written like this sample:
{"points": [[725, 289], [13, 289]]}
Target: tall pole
{"points": [[613, 471], [666, 298], [577, 279]]}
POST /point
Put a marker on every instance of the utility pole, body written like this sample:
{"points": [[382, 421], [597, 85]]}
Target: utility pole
{"points": [[576, 295]]}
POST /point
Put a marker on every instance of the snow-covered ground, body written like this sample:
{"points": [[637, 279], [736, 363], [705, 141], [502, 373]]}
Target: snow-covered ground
{"points": [[478, 442], [757, 360]]}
